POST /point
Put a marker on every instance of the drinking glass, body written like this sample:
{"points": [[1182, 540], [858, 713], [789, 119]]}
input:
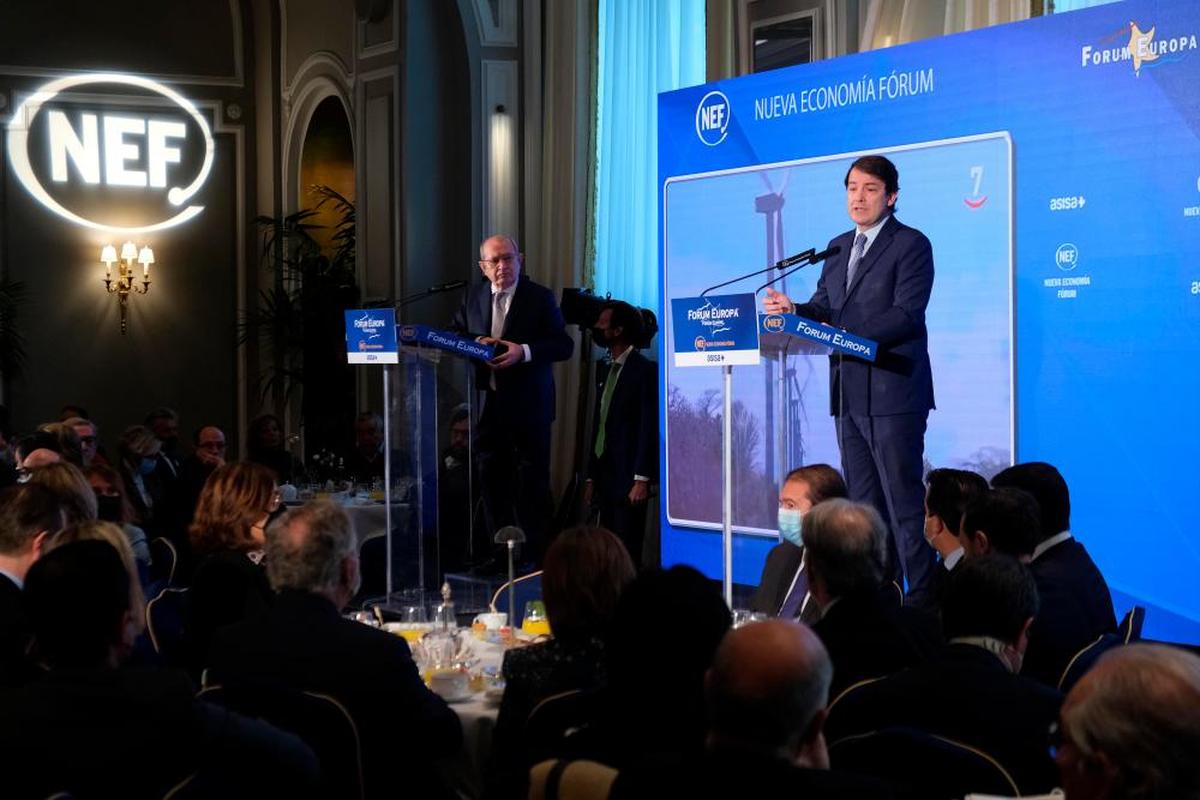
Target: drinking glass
{"points": [[535, 622]]}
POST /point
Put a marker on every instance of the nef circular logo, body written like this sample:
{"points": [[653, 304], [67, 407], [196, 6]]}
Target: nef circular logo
{"points": [[127, 162], [712, 118], [700, 343], [773, 323], [1066, 257]]}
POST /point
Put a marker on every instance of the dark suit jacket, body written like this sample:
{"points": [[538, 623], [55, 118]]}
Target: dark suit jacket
{"points": [[135, 734], [886, 303], [303, 643], [15, 666], [1075, 610], [630, 429], [527, 389], [783, 562], [226, 588], [869, 635], [965, 694], [728, 774]]}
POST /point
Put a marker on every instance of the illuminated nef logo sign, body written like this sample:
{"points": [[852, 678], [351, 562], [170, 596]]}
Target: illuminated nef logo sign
{"points": [[80, 162], [712, 118]]}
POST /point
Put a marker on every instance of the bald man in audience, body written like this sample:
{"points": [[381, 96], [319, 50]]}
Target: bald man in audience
{"points": [[1130, 729], [862, 623], [766, 693]]}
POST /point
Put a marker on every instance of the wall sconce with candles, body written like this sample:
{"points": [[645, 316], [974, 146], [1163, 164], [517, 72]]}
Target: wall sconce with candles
{"points": [[124, 283]]}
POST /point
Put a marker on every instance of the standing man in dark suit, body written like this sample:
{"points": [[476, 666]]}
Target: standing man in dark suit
{"points": [[878, 285], [523, 320], [783, 588], [1076, 604], [302, 643], [624, 453]]}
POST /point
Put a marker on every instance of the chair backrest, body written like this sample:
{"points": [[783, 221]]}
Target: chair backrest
{"points": [[919, 764], [1085, 659], [165, 615], [570, 780], [164, 560], [1130, 629], [895, 585], [525, 588], [319, 720], [555, 718]]}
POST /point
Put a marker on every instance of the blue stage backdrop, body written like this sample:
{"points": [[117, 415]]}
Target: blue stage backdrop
{"points": [[1055, 166]]}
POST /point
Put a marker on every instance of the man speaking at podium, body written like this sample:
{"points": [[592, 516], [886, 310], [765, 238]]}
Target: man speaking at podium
{"points": [[522, 319], [878, 286]]}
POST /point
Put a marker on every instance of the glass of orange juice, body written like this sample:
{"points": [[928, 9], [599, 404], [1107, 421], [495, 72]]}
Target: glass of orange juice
{"points": [[535, 622]]}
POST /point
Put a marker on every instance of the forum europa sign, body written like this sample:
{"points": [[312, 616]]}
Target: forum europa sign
{"points": [[94, 156]]}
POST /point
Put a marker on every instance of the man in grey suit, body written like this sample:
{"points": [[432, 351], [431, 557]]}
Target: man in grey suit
{"points": [[877, 285]]}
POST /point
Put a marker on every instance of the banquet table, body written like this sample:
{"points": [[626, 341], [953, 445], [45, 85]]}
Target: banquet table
{"points": [[464, 771]]}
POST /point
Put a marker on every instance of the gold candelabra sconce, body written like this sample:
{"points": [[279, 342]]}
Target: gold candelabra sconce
{"points": [[123, 283]]}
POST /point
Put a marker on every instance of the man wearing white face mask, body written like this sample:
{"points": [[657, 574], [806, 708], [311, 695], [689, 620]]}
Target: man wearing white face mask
{"points": [[783, 588], [971, 693]]}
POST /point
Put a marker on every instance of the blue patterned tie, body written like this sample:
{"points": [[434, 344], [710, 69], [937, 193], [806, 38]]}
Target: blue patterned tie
{"points": [[856, 254]]}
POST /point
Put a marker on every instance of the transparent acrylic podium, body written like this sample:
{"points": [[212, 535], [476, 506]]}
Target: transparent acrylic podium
{"points": [[432, 522]]}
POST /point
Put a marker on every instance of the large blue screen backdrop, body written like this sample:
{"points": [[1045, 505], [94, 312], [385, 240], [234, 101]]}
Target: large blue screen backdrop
{"points": [[1055, 166]]}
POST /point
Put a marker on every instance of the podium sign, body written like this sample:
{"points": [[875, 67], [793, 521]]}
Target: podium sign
{"points": [[837, 340], [371, 336], [715, 331], [445, 340]]}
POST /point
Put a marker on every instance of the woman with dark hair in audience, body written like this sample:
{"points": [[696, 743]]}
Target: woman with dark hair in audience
{"points": [[266, 447], [112, 505], [227, 536], [584, 572], [664, 636]]}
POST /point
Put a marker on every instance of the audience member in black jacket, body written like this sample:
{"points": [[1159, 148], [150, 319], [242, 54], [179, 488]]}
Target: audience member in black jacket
{"points": [[971, 693], [867, 632], [303, 643], [1076, 605], [29, 515]]}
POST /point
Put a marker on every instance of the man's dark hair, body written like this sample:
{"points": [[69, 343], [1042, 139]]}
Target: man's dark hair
{"points": [[628, 319], [459, 414], [71, 410], [950, 492], [75, 596], [1008, 516], [992, 595], [879, 167], [24, 511], [162, 412], [40, 440], [1047, 486], [823, 481]]}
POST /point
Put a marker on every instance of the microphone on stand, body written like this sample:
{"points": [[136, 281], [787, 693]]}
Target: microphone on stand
{"points": [[432, 290], [807, 260], [784, 264]]}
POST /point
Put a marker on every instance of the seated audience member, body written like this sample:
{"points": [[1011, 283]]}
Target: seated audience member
{"points": [[783, 588], [112, 505], [867, 633], [29, 516], [74, 729], [164, 422], [948, 492], [1076, 605], [8, 454], [971, 692], [137, 463], [364, 463], [70, 446], [766, 695], [653, 704], [584, 573], [209, 453], [303, 643], [89, 436], [1130, 729], [265, 446], [1003, 521], [69, 411], [74, 494], [458, 493], [228, 535]]}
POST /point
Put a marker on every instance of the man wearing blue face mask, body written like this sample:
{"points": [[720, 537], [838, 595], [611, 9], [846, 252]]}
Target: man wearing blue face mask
{"points": [[783, 588]]}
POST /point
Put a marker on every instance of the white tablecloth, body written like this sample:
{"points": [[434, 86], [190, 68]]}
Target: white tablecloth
{"points": [[478, 717]]}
